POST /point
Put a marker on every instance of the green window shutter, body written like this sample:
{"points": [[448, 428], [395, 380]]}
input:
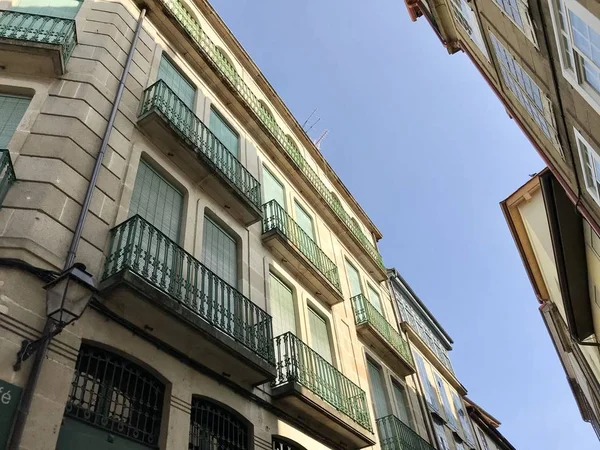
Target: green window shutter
{"points": [[319, 335], [378, 391], [375, 300], [305, 221], [282, 307], [219, 252], [353, 279], [157, 201], [401, 404], [12, 109], [177, 82], [66, 9], [224, 133], [273, 189]]}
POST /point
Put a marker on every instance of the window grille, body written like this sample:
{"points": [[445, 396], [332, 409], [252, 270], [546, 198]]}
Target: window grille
{"points": [[214, 428]]}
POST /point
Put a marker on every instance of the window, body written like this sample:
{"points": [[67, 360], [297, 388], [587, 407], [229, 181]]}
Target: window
{"points": [[353, 280], [375, 299], [446, 402], [213, 427], [459, 445], [219, 252], [66, 9], [180, 86], [462, 417], [440, 434], [430, 394], [578, 37], [282, 307], [272, 188], [483, 439], [401, 400], [378, 395], [224, 133], [590, 162], [319, 334], [12, 110], [305, 221], [529, 95], [281, 443], [157, 201], [117, 395], [518, 12], [468, 20]]}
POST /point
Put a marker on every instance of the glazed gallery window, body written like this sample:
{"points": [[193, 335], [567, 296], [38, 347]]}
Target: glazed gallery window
{"points": [[527, 92], [577, 33], [468, 20], [590, 162], [518, 12]]}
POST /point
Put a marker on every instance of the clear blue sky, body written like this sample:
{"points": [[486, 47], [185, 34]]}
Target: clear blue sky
{"points": [[429, 152]]}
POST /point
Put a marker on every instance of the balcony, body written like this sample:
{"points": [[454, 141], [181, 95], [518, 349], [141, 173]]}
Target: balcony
{"points": [[152, 282], [187, 140], [7, 174], [396, 435], [378, 334], [179, 25], [315, 391], [30, 43], [290, 243]]}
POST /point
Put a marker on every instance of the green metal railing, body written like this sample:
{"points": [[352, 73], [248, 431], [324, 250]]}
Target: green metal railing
{"points": [[366, 313], [140, 247], [275, 217], [7, 174], [206, 46], [22, 26], [159, 97], [396, 435], [298, 363]]}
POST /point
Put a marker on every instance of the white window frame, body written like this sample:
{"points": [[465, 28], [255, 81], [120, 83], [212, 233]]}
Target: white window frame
{"points": [[523, 11], [467, 18], [589, 158], [513, 81], [571, 60]]}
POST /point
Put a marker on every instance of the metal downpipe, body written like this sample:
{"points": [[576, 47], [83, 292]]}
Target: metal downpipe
{"points": [[34, 375]]}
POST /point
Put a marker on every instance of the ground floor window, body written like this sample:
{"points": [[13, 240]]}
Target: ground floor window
{"points": [[214, 427]]}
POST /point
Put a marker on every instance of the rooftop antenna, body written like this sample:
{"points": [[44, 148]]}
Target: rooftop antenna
{"points": [[311, 114], [311, 127], [318, 141]]}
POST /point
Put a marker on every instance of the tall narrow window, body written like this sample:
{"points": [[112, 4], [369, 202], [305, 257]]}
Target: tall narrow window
{"points": [[319, 335], [483, 439], [446, 402], [462, 417], [180, 86], [468, 20], [380, 404], [66, 9], [529, 95], [157, 201], [219, 252], [401, 400], [586, 45], [459, 445], [518, 12], [353, 279], [430, 393], [440, 434], [305, 221], [590, 162], [224, 133], [12, 110], [375, 299], [272, 188], [282, 307]]}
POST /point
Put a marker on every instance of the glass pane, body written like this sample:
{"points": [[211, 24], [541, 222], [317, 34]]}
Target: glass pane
{"points": [[354, 280], [282, 307], [177, 82], [319, 335], [375, 299], [401, 404], [12, 110], [585, 38], [219, 252], [305, 221], [273, 189], [224, 133], [377, 391]]}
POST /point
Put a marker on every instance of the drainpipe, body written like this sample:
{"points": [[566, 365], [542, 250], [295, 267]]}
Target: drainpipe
{"points": [[34, 375]]}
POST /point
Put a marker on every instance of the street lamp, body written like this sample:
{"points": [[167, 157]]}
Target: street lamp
{"points": [[66, 299]]}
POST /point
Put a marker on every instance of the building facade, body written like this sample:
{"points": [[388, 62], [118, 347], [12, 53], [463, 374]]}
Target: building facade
{"points": [[486, 428], [560, 252], [541, 58]]}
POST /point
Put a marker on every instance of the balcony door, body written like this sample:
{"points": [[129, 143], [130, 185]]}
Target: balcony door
{"points": [[282, 307], [179, 99], [401, 400], [378, 395], [375, 300], [305, 221], [66, 9], [272, 188], [353, 280]]}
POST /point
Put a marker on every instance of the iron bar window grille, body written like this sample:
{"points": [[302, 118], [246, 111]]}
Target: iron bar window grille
{"points": [[285, 444], [116, 395], [214, 428]]}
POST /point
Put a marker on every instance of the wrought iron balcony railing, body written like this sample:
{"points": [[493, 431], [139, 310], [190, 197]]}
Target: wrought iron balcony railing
{"points": [[207, 46], [138, 246], [21, 26], [298, 363], [159, 97], [396, 435], [7, 174], [366, 313], [275, 217]]}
